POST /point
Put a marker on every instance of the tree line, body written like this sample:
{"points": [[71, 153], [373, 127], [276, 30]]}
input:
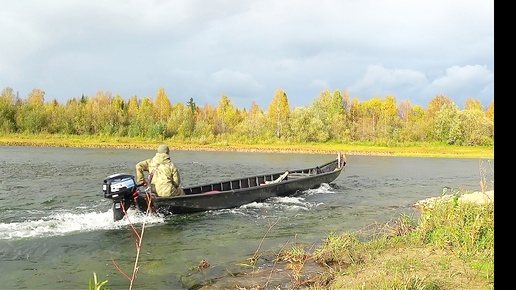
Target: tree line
{"points": [[332, 117]]}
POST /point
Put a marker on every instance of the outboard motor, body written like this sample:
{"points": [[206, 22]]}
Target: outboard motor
{"points": [[120, 188]]}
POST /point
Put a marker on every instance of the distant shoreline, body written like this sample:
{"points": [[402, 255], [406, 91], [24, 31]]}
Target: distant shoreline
{"points": [[201, 148], [346, 149]]}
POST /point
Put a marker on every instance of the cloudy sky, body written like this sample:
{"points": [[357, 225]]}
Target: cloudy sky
{"points": [[247, 49]]}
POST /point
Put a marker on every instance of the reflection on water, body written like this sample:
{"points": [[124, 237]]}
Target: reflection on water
{"points": [[56, 228]]}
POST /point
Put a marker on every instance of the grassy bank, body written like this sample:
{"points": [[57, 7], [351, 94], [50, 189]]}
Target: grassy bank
{"points": [[412, 149], [450, 247]]}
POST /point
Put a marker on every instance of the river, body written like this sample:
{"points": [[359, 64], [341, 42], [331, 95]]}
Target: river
{"points": [[57, 229]]}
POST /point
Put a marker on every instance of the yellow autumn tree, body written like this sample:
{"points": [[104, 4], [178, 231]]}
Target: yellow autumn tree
{"points": [[36, 98], [472, 104], [252, 123], [7, 111], [161, 106], [228, 116], [436, 104], [278, 114], [490, 111], [389, 119], [98, 112], [132, 107]]}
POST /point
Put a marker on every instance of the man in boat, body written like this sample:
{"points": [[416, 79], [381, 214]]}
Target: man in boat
{"points": [[164, 178]]}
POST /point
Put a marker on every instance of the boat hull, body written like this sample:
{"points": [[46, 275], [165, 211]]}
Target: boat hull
{"points": [[235, 198], [125, 193]]}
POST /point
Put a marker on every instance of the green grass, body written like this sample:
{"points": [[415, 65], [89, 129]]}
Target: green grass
{"points": [[409, 149], [451, 247]]}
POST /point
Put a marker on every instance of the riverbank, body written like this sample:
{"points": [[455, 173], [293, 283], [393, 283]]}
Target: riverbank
{"points": [[410, 150], [451, 247]]}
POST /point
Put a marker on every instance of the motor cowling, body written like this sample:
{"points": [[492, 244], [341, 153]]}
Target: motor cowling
{"points": [[119, 186]]}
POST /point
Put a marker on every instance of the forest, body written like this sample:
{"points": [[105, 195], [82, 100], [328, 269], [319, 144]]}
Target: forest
{"points": [[331, 117]]}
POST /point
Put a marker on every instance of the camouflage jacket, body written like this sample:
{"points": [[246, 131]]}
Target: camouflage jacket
{"points": [[166, 179]]}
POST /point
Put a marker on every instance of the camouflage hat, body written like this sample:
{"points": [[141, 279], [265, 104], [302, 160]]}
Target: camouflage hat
{"points": [[163, 149]]}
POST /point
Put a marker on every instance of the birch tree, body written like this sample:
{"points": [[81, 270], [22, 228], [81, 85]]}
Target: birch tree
{"points": [[278, 114], [161, 106]]}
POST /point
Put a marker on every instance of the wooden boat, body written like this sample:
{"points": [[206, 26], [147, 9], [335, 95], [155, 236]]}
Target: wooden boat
{"points": [[125, 193]]}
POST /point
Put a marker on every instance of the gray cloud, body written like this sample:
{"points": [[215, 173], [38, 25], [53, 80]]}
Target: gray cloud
{"points": [[247, 49]]}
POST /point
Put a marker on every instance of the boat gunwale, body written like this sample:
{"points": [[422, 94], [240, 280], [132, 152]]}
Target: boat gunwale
{"points": [[338, 169]]}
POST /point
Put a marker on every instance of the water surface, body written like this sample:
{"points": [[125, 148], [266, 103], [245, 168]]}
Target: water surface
{"points": [[56, 228]]}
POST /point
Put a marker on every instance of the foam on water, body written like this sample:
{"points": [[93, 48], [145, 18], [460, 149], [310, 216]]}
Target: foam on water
{"points": [[288, 203], [324, 188], [62, 223]]}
